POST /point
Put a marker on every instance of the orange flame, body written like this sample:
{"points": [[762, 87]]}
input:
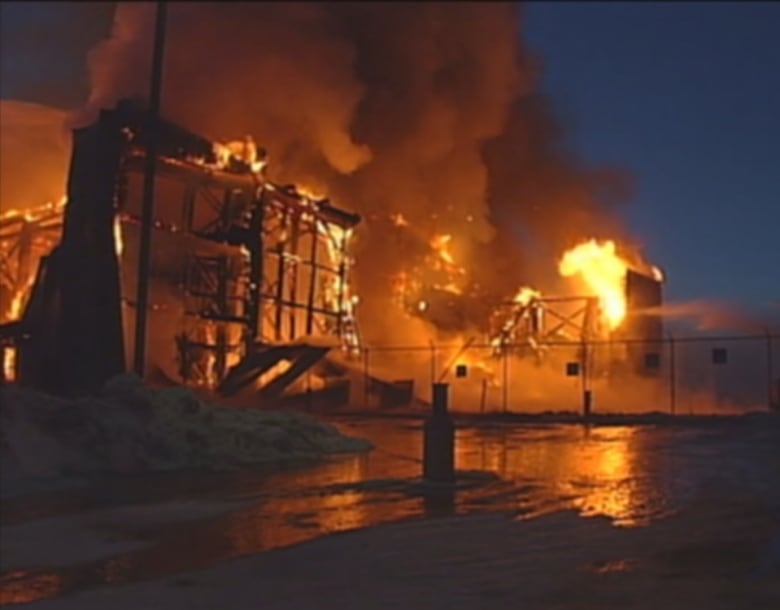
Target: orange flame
{"points": [[119, 245], [603, 272], [525, 295], [9, 363], [32, 214], [399, 220], [441, 245]]}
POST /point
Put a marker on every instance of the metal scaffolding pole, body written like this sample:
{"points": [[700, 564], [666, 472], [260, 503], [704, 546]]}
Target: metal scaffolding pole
{"points": [[312, 280], [147, 214]]}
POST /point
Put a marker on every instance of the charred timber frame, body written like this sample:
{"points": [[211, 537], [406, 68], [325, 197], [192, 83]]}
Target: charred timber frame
{"points": [[24, 237], [581, 323], [74, 315]]}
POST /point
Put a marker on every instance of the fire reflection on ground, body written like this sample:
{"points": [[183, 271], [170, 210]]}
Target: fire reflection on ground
{"points": [[21, 586], [608, 471]]}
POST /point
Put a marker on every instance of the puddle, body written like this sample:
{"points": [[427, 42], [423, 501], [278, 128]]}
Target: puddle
{"points": [[628, 474]]}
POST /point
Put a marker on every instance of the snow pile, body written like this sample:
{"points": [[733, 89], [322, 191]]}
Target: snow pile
{"points": [[131, 428]]}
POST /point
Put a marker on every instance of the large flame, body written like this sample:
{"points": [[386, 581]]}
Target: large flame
{"points": [[604, 274]]}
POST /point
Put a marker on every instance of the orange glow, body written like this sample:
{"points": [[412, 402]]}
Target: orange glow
{"points": [[337, 244], [275, 371], [244, 150], [525, 295], [441, 245], [603, 272], [476, 363], [399, 220], [49, 208], [15, 311], [442, 260], [21, 586], [118, 241], [9, 363]]}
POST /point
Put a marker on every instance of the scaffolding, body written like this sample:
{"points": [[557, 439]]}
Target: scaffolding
{"points": [[240, 266], [532, 325]]}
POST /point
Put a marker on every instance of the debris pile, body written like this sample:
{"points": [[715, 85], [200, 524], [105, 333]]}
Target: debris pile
{"points": [[130, 428]]}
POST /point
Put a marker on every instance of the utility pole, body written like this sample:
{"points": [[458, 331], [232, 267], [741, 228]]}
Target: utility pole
{"points": [[147, 214]]}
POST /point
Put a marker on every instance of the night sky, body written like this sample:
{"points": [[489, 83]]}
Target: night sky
{"points": [[687, 97], [684, 95]]}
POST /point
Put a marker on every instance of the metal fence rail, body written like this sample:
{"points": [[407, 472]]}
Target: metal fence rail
{"points": [[676, 375]]}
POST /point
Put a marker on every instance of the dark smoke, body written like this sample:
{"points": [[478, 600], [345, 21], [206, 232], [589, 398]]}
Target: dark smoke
{"points": [[427, 109]]}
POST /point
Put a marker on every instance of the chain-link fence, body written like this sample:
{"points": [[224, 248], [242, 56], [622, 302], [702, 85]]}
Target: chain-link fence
{"points": [[677, 375]]}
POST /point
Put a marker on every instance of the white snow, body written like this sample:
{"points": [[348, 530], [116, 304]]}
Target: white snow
{"points": [[130, 428]]}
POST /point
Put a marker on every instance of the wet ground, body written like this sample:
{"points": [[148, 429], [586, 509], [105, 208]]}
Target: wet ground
{"points": [[631, 474]]}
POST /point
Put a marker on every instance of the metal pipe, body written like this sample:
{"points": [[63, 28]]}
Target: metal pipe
{"points": [[505, 388], [365, 378], [342, 280], [770, 366], [281, 271], [312, 280], [292, 313], [672, 376], [147, 215], [255, 247]]}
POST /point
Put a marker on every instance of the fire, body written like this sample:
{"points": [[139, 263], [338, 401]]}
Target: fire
{"points": [[337, 243], [9, 363], [118, 242], [246, 151], [32, 214], [603, 272], [399, 220], [525, 295], [441, 245], [15, 309]]}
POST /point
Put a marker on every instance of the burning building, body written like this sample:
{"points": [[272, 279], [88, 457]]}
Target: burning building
{"points": [[249, 280], [436, 138]]}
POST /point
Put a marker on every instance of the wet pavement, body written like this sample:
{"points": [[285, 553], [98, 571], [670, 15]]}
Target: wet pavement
{"points": [[631, 474]]}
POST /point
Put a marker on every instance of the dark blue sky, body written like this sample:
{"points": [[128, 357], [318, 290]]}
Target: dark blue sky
{"points": [[687, 97], [684, 95]]}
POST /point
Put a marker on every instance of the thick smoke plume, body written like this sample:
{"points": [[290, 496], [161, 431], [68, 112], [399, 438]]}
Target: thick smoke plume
{"points": [[424, 109]]}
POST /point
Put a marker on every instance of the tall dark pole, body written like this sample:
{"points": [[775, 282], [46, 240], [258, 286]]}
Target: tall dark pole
{"points": [[147, 214]]}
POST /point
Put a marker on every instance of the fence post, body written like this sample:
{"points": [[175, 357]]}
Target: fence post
{"points": [[770, 367], [433, 365], [366, 393], [439, 439], [587, 394], [672, 377], [505, 384]]}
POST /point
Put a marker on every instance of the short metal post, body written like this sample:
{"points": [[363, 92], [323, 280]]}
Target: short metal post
{"points": [[439, 440], [769, 371], [587, 401], [433, 363], [365, 378], [672, 377], [505, 384]]}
